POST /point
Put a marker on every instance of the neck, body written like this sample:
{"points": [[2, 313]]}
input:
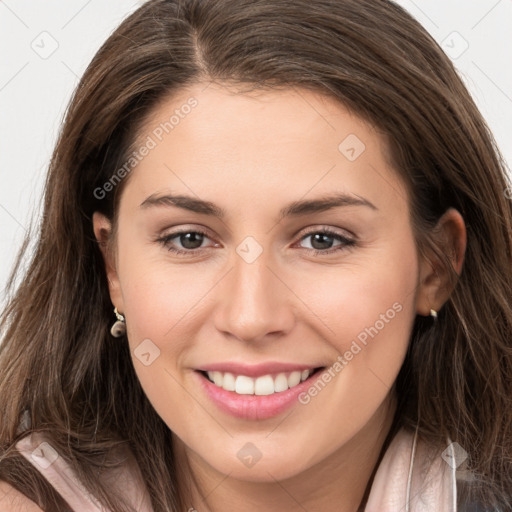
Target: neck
{"points": [[339, 482]]}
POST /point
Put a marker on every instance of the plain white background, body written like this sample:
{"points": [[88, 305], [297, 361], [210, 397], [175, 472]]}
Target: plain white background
{"points": [[46, 46]]}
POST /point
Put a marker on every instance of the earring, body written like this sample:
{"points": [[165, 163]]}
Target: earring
{"points": [[433, 314], [119, 327]]}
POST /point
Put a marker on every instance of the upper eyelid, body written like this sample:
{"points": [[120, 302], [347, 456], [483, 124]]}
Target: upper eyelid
{"points": [[303, 231]]}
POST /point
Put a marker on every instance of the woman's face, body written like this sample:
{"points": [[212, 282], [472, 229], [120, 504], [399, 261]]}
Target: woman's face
{"points": [[296, 253]]}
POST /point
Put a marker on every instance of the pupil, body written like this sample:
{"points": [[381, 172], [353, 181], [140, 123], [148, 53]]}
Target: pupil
{"points": [[191, 240], [323, 245]]}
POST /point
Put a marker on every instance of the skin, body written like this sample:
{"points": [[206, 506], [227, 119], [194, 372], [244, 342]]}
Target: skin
{"points": [[252, 154]]}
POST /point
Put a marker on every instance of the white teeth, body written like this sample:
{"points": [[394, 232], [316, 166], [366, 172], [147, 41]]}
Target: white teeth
{"points": [[229, 382], [281, 383], [218, 378], [264, 385], [293, 379], [244, 385]]}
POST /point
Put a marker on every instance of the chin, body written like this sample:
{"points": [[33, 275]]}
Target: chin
{"points": [[264, 471]]}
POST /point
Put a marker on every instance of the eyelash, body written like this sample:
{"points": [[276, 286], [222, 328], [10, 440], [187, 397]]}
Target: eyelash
{"points": [[346, 243]]}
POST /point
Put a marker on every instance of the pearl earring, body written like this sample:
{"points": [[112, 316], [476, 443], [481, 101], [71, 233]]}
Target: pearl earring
{"points": [[119, 327], [433, 314]]}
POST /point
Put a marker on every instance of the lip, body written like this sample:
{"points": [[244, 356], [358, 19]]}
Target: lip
{"points": [[254, 407], [257, 370]]}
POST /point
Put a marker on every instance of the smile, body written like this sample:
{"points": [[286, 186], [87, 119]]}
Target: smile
{"points": [[264, 385], [270, 391]]}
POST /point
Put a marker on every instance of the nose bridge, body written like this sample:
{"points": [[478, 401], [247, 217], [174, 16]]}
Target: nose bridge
{"points": [[255, 302]]}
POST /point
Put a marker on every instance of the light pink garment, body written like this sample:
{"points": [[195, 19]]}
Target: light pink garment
{"points": [[413, 477], [410, 478], [35, 448]]}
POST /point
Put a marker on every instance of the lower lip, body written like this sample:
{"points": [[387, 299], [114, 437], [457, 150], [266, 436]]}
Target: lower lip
{"points": [[254, 407]]}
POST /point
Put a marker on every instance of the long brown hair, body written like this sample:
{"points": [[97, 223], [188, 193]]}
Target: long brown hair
{"points": [[58, 359]]}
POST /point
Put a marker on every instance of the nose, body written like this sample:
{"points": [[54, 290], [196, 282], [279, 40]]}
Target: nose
{"points": [[255, 302]]}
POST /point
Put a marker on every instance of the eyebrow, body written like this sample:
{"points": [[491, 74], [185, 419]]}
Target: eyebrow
{"points": [[294, 209]]}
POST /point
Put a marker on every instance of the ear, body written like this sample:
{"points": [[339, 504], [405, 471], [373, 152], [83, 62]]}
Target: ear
{"points": [[434, 287], [103, 233]]}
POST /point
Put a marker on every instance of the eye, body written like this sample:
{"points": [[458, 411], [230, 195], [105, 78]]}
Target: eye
{"points": [[322, 241], [191, 241]]}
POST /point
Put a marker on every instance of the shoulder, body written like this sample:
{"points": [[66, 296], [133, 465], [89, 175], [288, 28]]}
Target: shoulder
{"points": [[11, 500]]}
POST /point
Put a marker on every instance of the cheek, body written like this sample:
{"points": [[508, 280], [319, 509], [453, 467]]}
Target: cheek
{"points": [[373, 312], [160, 299], [367, 310], [367, 316], [162, 305], [370, 298]]}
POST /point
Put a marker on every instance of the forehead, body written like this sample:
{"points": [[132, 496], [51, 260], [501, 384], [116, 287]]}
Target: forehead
{"points": [[210, 109], [210, 137]]}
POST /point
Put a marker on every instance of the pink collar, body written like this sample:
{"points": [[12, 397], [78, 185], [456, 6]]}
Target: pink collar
{"points": [[413, 477]]}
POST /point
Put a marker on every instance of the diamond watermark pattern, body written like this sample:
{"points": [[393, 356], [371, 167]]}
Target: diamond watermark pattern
{"points": [[249, 250], [45, 45], [454, 45], [146, 352], [352, 147], [44, 455], [249, 455], [454, 455]]}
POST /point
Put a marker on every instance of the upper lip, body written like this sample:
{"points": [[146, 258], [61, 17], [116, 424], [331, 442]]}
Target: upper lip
{"points": [[256, 370]]}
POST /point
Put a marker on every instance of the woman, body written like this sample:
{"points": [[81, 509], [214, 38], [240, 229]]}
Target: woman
{"points": [[273, 273]]}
